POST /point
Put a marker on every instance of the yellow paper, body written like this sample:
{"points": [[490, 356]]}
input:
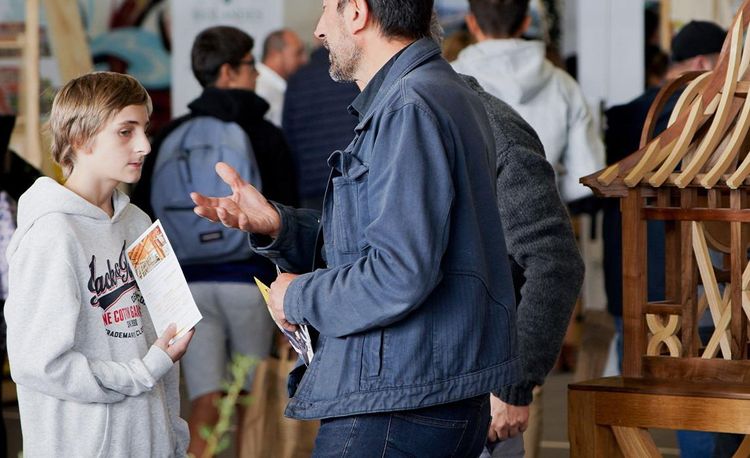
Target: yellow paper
{"points": [[264, 290]]}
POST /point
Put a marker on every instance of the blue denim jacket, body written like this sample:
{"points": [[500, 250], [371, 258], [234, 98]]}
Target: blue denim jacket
{"points": [[416, 305]]}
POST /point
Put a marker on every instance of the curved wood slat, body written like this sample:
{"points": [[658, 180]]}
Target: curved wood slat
{"points": [[738, 135], [678, 152], [689, 95], [663, 335], [716, 303], [713, 87], [655, 155], [690, 79], [647, 163], [719, 124], [733, 148]]}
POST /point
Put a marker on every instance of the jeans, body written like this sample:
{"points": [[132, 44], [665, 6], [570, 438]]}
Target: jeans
{"points": [[458, 429]]}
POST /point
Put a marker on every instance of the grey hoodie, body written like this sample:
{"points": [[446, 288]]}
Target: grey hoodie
{"points": [[90, 383], [517, 72]]}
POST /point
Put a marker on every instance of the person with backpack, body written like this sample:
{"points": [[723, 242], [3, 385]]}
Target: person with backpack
{"points": [[225, 124]]}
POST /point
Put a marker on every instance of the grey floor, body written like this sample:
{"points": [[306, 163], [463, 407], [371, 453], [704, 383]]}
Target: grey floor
{"points": [[554, 444]]}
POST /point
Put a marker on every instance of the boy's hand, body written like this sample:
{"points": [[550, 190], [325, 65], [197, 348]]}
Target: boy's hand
{"points": [[179, 347], [246, 209]]}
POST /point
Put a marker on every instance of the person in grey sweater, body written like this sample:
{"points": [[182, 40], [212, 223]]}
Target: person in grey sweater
{"points": [[547, 267]]}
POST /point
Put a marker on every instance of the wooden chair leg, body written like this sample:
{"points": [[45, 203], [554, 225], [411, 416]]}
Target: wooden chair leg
{"points": [[636, 442], [588, 439]]}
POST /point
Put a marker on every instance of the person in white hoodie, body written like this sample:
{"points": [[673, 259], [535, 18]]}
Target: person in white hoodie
{"points": [[93, 379], [516, 71]]}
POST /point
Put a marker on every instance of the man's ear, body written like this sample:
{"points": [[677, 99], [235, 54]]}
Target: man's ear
{"points": [[357, 14], [473, 26], [524, 26]]}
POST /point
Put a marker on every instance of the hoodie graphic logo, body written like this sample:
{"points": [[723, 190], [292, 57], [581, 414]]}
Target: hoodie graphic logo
{"points": [[116, 292]]}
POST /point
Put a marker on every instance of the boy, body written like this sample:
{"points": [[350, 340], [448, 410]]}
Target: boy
{"points": [[89, 386]]}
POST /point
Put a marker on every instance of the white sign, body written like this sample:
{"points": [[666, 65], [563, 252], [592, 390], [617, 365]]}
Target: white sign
{"points": [[189, 17]]}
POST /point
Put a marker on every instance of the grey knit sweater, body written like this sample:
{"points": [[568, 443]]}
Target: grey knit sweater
{"points": [[548, 269]]}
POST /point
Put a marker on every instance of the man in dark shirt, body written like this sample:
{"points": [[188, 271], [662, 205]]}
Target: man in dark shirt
{"points": [[315, 122]]}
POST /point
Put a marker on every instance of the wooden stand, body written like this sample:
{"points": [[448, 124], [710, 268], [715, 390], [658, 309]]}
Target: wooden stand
{"points": [[694, 178]]}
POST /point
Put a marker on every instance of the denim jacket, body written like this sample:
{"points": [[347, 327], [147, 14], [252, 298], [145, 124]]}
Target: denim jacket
{"points": [[415, 306]]}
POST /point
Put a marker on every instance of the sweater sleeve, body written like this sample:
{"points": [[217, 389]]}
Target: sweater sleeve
{"points": [[42, 313], [540, 241]]}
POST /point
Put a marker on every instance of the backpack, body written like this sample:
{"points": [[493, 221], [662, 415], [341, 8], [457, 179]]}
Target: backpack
{"points": [[185, 163]]}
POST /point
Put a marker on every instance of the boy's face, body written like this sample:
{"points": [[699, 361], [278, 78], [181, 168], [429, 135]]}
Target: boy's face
{"points": [[245, 75], [117, 152]]}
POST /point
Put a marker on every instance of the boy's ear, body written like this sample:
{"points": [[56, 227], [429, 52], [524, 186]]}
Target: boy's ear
{"points": [[80, 147], [225, 77]]}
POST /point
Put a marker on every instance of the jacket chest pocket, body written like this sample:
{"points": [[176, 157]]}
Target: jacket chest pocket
{"points": [[350, 206]]}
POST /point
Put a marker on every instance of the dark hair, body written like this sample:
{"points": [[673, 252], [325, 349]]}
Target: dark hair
{"points": [[274, 42], [499, 18], [215, 47], [400, 18]]}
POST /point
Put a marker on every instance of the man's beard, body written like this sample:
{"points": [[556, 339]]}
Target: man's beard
{"points": [[344, 62]]}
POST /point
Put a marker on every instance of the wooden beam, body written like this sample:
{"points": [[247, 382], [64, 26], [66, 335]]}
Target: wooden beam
{"points": [[635, 288], [696, 370], [696, 214], [738, 330], [68, 39]]}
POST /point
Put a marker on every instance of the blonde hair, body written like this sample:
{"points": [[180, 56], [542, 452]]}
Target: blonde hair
{"points": [[84, 105]]}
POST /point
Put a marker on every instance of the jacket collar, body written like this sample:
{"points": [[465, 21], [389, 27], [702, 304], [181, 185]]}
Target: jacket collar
{"points": [[412, 57]]}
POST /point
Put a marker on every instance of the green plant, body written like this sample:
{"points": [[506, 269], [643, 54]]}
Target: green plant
{"points": [[216, 437]]}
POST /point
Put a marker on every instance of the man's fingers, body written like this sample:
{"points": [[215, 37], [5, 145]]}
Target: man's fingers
{"points": [[229, 175], [207, 212], [205, 201], [226, 218]]}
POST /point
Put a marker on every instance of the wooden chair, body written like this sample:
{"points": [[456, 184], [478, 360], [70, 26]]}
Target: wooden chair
{"points": [[694, 177]]}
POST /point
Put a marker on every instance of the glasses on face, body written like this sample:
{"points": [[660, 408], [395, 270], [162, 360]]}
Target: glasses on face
{"points": [[250, 63]]}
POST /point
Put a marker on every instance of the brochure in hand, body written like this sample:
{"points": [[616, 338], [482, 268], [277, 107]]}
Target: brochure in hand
{"points": [[300, 339], [161, 281]]}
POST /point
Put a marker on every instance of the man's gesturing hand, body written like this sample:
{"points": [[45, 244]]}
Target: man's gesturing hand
{"points": [[244, 209]]}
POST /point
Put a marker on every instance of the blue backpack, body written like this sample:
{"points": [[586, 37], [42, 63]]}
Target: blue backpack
{"points": [[185, 163]]}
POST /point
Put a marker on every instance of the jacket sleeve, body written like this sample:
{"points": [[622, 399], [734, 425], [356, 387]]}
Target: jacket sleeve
{"points": [[42, 313], [294, 249], [409, 198], [584, 153], [540, 241]]}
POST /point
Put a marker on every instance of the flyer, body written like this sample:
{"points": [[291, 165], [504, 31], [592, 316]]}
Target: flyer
{"points": [[161, 281]]}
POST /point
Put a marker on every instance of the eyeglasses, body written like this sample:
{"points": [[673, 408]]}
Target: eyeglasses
{"points": [[250, 63]]}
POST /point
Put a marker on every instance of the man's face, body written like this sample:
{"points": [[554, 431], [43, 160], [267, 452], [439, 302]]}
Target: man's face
{"points": [[293, 55], [344, 55]]}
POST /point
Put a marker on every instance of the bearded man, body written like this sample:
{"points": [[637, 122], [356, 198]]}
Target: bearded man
{"points": [[411, 292]]}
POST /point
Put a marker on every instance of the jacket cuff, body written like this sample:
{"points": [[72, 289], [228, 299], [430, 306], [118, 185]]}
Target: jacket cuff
{"points": [[265, 245], [292, 299], [517, 395], [158, 362]]}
